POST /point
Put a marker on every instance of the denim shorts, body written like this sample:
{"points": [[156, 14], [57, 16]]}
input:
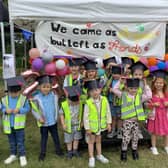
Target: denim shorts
{"points": [[115, 110]]}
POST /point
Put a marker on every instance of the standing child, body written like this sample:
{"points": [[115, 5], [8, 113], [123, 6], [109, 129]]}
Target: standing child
{"points": [[45, 110], [71, 117], [15, 107], [131, 113], [158, 118], [115, 104], [97, 118]]}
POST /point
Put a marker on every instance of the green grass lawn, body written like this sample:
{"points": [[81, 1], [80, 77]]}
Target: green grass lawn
{"points": [[147, 160]]}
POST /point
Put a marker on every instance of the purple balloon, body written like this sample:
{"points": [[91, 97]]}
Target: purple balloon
{"points": [[166, 63], [153, 68], [37, 64]]}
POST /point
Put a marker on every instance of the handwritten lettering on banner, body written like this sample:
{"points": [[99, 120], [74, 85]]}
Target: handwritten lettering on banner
{"points": [[100, 39]]}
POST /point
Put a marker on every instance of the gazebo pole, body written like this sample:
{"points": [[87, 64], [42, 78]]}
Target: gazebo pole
{"points": [[2, 39]]}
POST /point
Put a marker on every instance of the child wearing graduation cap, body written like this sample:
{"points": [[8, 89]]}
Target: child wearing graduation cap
{"points": [[108, 63], [131, 113], [74, 77], [45, 110], [115, 103], [158, 117], [71, 118], [96, 118], [137, 71], [15, 106], [127, 63]]}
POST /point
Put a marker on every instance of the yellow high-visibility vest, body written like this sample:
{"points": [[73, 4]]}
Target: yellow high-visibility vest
{"points": [[19, 120], [132, 108], [94, 123]]}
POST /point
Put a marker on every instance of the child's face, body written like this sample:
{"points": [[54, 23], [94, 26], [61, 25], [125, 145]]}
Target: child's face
{"points": [[95, 93], [132, 90], [127, 71], [45, 88], [91, 74], [159, 83], [14, 94], [116, 76], [138, 73], [74, 69]]}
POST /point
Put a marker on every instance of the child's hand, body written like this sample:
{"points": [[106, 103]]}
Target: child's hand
{"points": [[157, 104], [64, 127], [166, 104], [15, 111], [9, 111], [111, 90], [109, 127], [88, 132], [41, 120]]}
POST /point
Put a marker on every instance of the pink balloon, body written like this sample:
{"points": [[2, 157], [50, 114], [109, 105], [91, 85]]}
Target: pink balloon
{"points": [[62, 72], [50, 68], [34, 53], [144, 60], [37, 64]]}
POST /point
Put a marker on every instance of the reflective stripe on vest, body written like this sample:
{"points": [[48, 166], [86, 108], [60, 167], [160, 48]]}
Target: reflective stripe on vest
{"points": [[70, 81], [35, 108], [94, 123], [132, 108], [67, 115], [19, 120]]}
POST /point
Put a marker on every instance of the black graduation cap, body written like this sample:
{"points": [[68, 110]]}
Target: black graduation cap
{"points": [[77, 61], [108, 60], [127, 60], [90, 65], [15, 84], [73, 92], [159, 73], [138, 65], [92, 84], [116, 70], [44, 79], [132, 82]]}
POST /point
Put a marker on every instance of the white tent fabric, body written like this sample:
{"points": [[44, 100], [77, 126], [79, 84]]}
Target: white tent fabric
{"points": [[90, 10]]}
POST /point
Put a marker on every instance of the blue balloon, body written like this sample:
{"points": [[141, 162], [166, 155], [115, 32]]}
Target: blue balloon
{"points": [[161, 65]]}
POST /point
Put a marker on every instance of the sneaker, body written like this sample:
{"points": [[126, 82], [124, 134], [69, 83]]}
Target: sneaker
{"points": [[23, 161], [154, 150], [76, 153], [69, 155], [102, 159], [166, 149], [10, 159], [91, 162], [140, 136], [59, 153], [111, 134], [119, 134]]}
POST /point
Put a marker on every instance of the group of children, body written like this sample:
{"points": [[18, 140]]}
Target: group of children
{"points": [[118, 103]]}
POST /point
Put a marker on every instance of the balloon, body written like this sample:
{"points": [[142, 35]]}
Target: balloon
{"points": [[143, 60], [166, 63], [146, 73], [161, 65], [60, 64], [65, 60], [153, 68], [135, 58], [62, 72], [100, 72], [166, 57], [34, 53], [37, 64], [152, 61], [99, 62], [47, 56], [30, 60], [50, 68]]}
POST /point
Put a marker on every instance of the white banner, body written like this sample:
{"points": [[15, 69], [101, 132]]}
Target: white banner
{"points": [[102, 39], [8, 66]]}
